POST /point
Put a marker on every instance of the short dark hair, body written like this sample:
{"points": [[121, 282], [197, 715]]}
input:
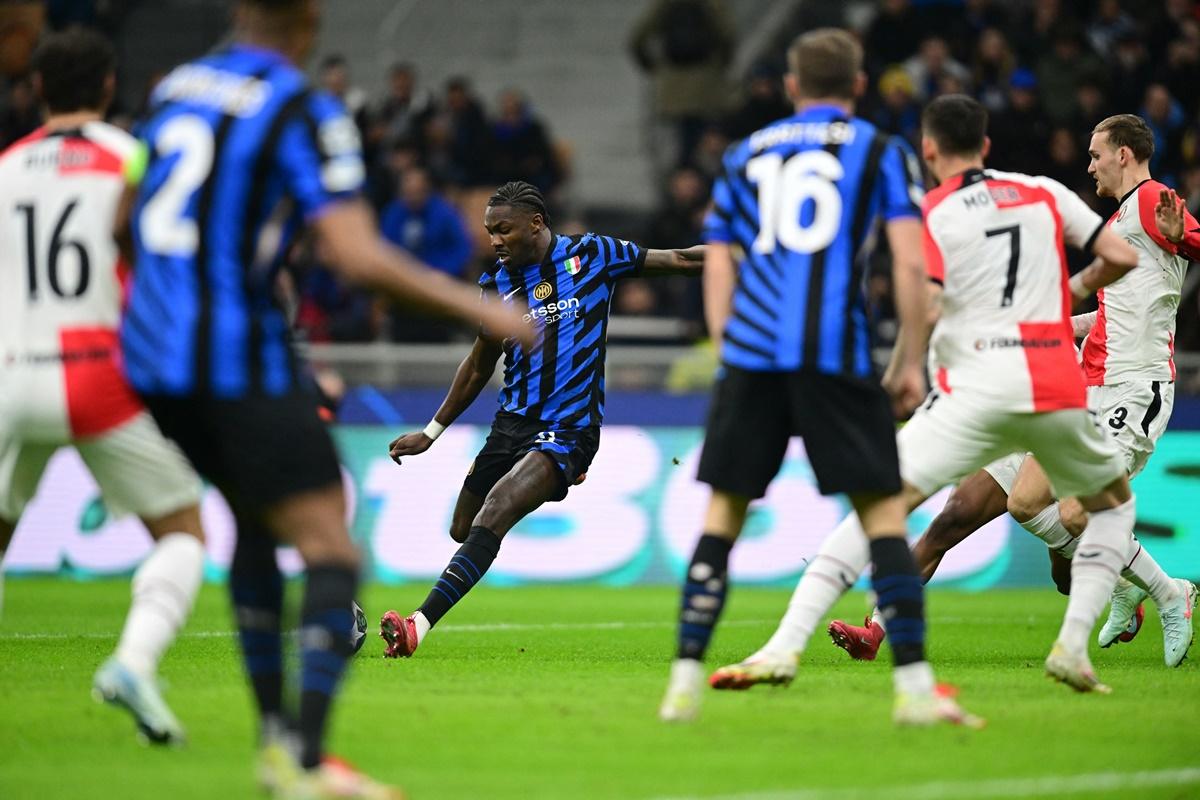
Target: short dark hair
{"points": [[1128, 130], [957, 122], [520, 194], [826, 63], [74, 66]]}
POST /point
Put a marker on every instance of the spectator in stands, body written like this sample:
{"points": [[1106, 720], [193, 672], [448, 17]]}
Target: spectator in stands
{"points": [[763, 104], [328, 310], [993, 64], [1167, 122], [1035, 31], [20, 115], [426, 224], [930, 65], [521, 147], [1109, 24], [1179, 71], [898, 111], [1061, 69], [686, 47], [1131, 71], [461, 121], [965, 28], [404, 108], [1091, 104], [1021, 132], [1068, 162], [334, 78], [709, 152], [678, 224], [893, 35]]}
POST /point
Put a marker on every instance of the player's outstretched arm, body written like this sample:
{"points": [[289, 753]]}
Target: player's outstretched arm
{"points": [[473, 374], [720, 277], [905, 375], [1114, 257], [359, 253], [689, 261]]}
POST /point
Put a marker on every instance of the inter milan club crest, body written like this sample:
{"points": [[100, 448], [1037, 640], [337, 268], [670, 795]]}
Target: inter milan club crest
{"points": [[543, 290], [573, 265]]}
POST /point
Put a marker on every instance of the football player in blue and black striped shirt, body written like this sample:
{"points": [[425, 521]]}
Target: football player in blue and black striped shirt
{"points": [[242, 152], [548, 426], [797, 205]]}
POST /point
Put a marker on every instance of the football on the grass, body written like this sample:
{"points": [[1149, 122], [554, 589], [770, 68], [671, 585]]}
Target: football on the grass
{"points": [[358, 634]]}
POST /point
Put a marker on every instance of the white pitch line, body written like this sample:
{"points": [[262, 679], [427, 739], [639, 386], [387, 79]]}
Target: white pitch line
{"points": [[996, 788], [499, 627]]}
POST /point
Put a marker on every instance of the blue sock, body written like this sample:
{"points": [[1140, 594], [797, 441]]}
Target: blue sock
{"points": [[325, 625], [465, 569], [256, 587], [703, 595], [900, 598]]}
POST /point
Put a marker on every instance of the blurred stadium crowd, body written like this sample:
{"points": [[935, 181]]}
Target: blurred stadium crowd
{"points": [[1048, 70]]}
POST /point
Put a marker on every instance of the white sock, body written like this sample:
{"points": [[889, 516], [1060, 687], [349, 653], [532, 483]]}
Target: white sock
{"points": [[1048, 527], [913, 678], [164, 588], [1145, 572], [877, 618], [422, 625], [1103, 549], [843, 556]]}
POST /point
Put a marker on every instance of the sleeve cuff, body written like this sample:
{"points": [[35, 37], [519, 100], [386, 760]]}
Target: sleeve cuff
{"points": [[1092, 239]]}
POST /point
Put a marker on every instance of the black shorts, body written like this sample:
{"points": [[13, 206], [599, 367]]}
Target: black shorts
{"points": [[256, 450], [513, 436], [846, 423]]}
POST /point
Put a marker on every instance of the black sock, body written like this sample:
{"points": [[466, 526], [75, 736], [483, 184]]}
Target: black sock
{"points": [[703, 595], [464, 571], [325, 625], [257, 590], [900, 598]]}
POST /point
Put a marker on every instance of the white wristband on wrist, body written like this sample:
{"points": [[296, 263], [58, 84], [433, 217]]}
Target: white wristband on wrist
{"points": [[434, 429], [1078, 289]]}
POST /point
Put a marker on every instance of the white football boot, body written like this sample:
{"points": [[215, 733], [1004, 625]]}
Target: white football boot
{"points": [[1122, 610], [682, 700], [771, 669], [1177, 624]]}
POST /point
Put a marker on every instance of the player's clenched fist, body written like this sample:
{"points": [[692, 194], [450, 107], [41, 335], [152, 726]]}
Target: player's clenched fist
{"points": [[410, 444]]}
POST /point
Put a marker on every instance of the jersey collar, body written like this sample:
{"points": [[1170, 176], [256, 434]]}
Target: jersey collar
{"points": [[1131, 192]]}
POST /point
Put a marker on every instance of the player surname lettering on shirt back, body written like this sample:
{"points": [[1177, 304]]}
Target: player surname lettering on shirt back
{"points": [[836, 132], [234, 94]]}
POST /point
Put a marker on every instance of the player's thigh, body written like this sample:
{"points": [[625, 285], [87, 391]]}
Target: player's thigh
{"points": [[465, 510], [533, 481], [1031, 492], [1135, 415], [1004, 471], [977, 500], [22, 464], [849, 433], [1077, 457], [946, 440], [139, 470], [746, 435], [493, 461]]}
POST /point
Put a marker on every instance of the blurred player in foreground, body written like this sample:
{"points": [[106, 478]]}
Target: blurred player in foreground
{"points": [[241, 152], [548, 427], [1130, 371], [1006, 380], [60, 374], [799, 198]]}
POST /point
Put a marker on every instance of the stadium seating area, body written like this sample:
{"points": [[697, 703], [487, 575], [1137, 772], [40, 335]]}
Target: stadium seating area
{"points": [[1046, 70]]}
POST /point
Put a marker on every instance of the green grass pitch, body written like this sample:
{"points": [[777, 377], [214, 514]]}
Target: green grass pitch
{"points": [[551, 692]]}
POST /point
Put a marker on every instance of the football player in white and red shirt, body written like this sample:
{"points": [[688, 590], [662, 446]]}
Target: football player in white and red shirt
{"points": [[60, 378], [1006, 380], [1129, 372]]}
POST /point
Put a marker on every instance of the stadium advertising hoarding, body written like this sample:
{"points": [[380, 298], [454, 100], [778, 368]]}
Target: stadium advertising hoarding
{"points": [[634, 520]]}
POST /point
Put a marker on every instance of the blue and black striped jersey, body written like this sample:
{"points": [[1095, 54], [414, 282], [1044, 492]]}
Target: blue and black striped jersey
{"points": [[241, 152], [800, 199], [560, 380]]}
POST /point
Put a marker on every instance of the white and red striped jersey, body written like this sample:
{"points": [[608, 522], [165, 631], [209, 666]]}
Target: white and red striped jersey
{"points": [[1133, 337], [61, 271], [994, 240]]}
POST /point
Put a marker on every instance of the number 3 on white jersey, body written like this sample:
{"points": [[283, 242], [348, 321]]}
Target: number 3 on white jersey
{"points": [[783, 187], [163, 227]]}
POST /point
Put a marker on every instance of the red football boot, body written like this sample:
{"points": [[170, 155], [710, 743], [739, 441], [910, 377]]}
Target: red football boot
{"points": [[400, 633], [862, 643]]}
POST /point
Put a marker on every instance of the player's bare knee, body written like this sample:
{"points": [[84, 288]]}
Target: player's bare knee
{"points": [[183, 520], [1024, 507], [459, 529]]}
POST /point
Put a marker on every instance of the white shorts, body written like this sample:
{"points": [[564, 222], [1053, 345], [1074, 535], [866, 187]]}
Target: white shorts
{"points": [[951, 437], [1004, 471], [1135, 415], [139, 470]]}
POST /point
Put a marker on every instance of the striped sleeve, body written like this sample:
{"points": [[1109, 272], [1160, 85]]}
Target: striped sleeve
{"points": [[619, 258], [900, 180], [320, 154]]}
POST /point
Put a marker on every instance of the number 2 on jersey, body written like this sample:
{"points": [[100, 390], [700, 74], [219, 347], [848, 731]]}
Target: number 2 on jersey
{"points": [[164, 227], [1014, 259], [784, 187]]}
